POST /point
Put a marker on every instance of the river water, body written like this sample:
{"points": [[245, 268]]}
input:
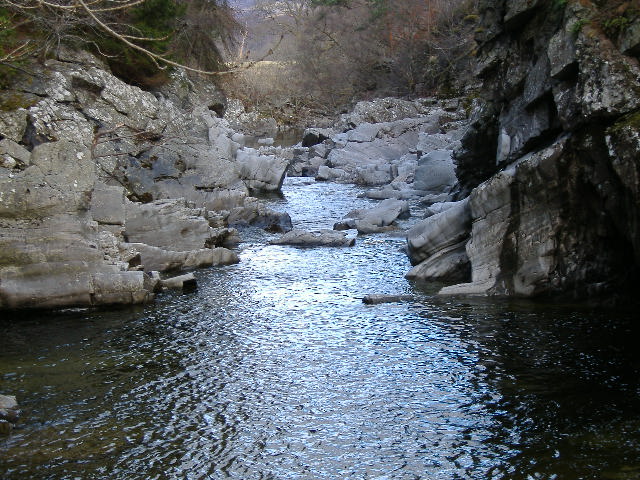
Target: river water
{"points": [[275, 369]]}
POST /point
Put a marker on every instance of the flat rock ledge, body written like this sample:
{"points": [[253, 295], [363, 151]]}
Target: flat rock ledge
{"points": [[323, 238]]}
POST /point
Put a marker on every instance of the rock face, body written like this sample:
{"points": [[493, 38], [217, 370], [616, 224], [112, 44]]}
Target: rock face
{"points": [[437, 245], [101, 182], [551, 160]]}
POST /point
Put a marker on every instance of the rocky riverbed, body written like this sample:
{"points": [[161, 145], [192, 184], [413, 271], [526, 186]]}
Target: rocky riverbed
{"points": [[106, 189]]}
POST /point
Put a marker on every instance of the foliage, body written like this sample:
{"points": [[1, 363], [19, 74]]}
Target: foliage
{"points": [[616, 25], [138, 38], [559, 4], [577, 27], [336, 51], [615, 16]]}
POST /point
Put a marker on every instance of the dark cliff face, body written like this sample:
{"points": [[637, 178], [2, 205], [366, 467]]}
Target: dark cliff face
{"points": [[560, 120]]}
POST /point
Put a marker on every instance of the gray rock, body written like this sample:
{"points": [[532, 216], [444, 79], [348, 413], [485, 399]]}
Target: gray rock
{"points": [[9, 409], [323, 238], [434, 141], [365, 132], [364, 227], [518, 11], [435, 174], [261, 173], [515, 259], [256, 214], [17, 152], [168, 224], [13, 124], [451, 264], [373, 175], [250, 123], [561, 53], [630, 39], [314, 136], [326, 173], [382, 110], [439, 232], [439, 207], [164, 260], [377, 299], [372, 220], [395, 190], [107, 204], [182, 282]]}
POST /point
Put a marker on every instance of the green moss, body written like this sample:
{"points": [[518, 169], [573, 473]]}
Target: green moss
{"points": [[15, 100], [559, 4], [630, 121], [578, 26], [613, 27]]}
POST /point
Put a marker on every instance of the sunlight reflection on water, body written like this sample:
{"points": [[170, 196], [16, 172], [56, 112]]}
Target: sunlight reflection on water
{"points": [[275, 369]]}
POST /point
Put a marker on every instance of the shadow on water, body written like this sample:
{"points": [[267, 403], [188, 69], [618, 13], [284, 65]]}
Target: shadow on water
{"points": [[275, 369]]}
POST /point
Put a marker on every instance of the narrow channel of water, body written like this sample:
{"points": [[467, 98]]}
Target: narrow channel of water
{"points": [[275, 369]]}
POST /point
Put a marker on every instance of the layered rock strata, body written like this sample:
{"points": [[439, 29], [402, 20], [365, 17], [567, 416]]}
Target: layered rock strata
{"points": [[101, 182], [551, 159]]}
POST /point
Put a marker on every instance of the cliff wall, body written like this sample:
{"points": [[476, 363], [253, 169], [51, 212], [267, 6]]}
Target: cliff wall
{"points": [[552, 158]]}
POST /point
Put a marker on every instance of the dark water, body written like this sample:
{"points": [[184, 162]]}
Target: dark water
{"points": [[274, 369]]}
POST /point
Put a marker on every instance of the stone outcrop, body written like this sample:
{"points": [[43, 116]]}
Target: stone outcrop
{"points": [[102, 183], [436, 245], [550, 161]]}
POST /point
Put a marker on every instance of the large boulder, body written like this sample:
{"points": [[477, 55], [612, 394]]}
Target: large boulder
{"points": [[451, 264], [261, 173], [255, 214], [376, 219], [164, 259], [435, 175], [9, 413]]}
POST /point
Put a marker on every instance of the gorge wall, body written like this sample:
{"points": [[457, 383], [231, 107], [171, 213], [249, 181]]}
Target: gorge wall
{"points": [[551, 161]]}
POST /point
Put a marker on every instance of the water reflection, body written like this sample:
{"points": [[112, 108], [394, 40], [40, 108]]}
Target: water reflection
{"points": [[274, 369]]}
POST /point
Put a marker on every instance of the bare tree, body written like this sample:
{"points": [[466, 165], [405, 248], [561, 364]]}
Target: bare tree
{"points": [[53, 22]]}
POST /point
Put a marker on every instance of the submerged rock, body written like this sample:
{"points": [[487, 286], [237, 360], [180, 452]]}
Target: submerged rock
{"points": [[376, 299], [9, 413]]}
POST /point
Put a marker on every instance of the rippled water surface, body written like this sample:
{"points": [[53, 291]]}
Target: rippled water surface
{"points": [[275, 369]]}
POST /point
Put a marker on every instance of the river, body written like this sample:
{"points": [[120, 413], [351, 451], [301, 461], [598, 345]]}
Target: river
{"points": [[275, 369]]}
